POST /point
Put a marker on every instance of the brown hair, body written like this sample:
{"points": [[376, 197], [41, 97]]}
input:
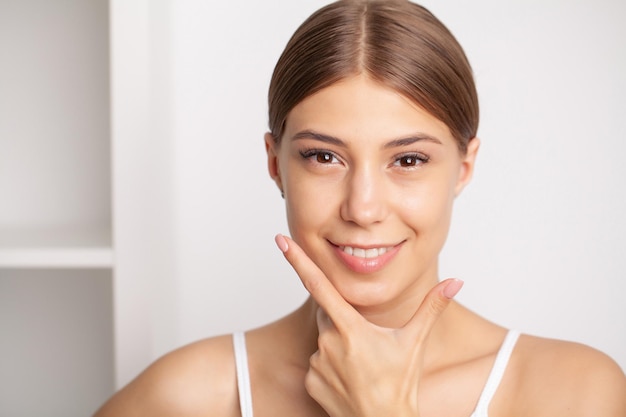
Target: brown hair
{"points": [[397, 43]]}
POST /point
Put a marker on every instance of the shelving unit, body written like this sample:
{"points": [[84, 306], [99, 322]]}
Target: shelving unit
{"points": [[56, 252]]}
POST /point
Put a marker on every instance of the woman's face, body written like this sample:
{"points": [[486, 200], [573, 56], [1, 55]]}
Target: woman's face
{"points": [[369, 180]]}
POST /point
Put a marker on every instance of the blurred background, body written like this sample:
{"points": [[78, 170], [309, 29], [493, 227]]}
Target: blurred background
{"points": [[136, 214]]}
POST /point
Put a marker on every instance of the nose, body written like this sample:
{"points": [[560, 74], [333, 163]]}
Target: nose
{"points": [[365, 201]]}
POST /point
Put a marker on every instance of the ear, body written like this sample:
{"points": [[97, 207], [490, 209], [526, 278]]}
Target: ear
{"points": [[468, 162], [272, 160]]}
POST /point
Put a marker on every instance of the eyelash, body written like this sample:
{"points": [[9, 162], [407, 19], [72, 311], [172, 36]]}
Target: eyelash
{"points": [[418, 158], [310, 153]]}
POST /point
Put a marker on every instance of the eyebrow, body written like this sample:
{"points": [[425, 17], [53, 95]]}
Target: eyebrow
{"points": [[310, 134], [396, 143]]}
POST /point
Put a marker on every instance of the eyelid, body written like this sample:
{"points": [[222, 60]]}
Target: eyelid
{"points": [[422, 158], [308, 153]]}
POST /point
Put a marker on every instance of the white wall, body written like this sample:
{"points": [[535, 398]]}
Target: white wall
{"points": [[142, 148], [538, 237]]}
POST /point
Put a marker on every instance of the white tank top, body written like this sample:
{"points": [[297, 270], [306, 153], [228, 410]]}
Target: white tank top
{"points": [[482, 407]]}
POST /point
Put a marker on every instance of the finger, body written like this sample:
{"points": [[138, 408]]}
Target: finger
{"points": [[342, 314], [321, 391], [435, 302], [324, 322]]}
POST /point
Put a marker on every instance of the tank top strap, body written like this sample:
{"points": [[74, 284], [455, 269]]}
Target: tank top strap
{"points": [[243, 374], [482, 408], [496, 374]]}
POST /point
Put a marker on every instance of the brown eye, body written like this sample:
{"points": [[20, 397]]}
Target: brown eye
{"points": [[324, 157], [320, 156], [408, 161]]}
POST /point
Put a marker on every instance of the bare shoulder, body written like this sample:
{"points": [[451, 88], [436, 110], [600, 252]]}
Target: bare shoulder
{"points": [[196, 380], [557, 378]]}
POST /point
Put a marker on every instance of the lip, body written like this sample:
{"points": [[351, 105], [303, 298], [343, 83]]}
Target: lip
{"points": [[366, 265]]}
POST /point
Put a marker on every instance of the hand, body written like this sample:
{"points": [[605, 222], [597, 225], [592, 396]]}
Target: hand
{"points": [[361, 369]]}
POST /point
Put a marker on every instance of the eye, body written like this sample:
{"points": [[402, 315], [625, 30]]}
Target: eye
{"points": [[324, 157], [320, 156], [410, 160]]}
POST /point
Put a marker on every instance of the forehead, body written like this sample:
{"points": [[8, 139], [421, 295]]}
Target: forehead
{"points": [[359, 109]]}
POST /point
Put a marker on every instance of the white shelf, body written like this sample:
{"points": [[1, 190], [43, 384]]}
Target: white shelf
{"points": [[70, 258], [56, 249]]}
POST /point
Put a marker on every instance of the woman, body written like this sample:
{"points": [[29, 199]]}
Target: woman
{"points": [[373, 121]]}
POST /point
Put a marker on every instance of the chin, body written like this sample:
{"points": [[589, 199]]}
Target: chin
{"points": [[366, 294]]}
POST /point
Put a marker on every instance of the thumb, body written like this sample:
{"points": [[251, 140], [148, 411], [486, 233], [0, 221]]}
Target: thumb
{"points": [[435, 302]]}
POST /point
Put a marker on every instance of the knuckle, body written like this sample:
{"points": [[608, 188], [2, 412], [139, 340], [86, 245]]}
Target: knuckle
{"points": [[314, 360], [312, 285], [436, 305], [324, 343], [311, 382]]}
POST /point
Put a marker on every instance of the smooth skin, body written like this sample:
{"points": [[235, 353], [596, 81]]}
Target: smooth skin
{"points": [[362, 166]]}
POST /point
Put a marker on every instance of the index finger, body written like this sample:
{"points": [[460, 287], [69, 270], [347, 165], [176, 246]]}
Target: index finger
{"points": [[342, 314]]}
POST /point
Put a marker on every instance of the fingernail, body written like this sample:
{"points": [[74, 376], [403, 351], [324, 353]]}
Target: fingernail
{"points": [[452, 289], [281, 242]]}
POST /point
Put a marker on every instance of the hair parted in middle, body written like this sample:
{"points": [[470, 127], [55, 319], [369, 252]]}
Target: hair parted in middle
{"points": [[395, 42]]}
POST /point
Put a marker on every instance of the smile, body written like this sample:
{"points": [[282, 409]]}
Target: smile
{"points": [[366, 260], [365, 253]]}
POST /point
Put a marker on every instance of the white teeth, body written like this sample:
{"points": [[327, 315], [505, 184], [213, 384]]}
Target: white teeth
{"points": [[364, 253], [371, 253]]}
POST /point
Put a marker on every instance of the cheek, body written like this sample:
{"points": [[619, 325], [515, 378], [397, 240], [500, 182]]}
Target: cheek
{"points": [[310, 204], [428, 205]]}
